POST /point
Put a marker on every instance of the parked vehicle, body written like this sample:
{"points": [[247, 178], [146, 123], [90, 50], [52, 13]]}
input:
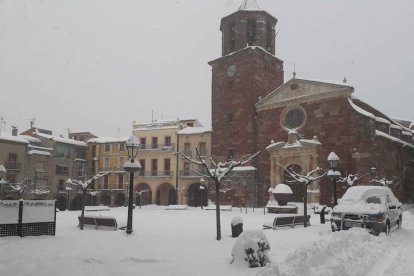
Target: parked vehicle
{"points": [[372, 207]]}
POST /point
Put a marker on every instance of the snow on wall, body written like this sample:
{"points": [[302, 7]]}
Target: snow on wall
{"points": [[9, 211]]}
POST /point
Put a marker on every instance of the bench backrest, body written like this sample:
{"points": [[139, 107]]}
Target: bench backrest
{"points": [[106, 221], [87, 220], [279, 221]]}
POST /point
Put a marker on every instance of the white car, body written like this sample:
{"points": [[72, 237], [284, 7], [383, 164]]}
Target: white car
{"points": [[372, 207]]}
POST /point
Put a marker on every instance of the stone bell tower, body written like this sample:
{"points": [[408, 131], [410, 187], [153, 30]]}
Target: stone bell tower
{"points": [[247, 71]]}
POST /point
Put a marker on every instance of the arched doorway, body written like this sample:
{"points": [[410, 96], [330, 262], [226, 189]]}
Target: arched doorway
{"points": [[120, 199], [77, 203], [297, 188], [197, 195], [166, 195], [106, 199], [143, 194], [61, 203]]}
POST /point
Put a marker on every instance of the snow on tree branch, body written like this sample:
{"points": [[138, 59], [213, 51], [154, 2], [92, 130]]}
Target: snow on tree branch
{"points": [[304, 179]]}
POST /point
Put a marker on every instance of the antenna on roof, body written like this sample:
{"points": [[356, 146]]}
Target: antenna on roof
{"points": [[294, 70], [32, 122], [2, 123], [344, 80], [152, 115], [118, 132]]}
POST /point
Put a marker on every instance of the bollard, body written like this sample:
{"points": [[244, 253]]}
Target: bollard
{"points": [[322, 214]]}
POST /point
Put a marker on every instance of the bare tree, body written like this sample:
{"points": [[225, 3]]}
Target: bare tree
{"points": [[28, 186], [305, 180], [217, 173], [85, 185], [140, 198]]}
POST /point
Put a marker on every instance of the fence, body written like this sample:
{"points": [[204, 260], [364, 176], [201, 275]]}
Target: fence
{"points": [[27, 218]]}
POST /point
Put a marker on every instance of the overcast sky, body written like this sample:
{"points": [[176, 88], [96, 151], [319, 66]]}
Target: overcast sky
{"points": [[99, 65]]}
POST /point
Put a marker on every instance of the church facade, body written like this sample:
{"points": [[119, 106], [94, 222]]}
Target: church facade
{"points": [[298, 123]]}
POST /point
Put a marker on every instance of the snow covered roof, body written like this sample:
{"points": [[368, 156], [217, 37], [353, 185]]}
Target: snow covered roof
{"points": [[194, 130], [31, 139], [249, 5], [38, 152], [62, 140], [107, 140], [39, 148], [392, 138], [4, 136]]}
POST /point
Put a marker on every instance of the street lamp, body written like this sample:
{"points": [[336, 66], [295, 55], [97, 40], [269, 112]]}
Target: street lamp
{"points": [[68, 189], [202, 188], [131, 166], [333, 174]]}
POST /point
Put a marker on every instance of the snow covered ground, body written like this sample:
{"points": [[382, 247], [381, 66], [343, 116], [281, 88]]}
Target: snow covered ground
{"points": [[182, 242]]}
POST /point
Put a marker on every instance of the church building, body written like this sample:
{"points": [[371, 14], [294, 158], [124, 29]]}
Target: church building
{"points": [[297, 123]]}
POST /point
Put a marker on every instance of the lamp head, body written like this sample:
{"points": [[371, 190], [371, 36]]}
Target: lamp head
{"points": [[333, 160], [132, 146]]}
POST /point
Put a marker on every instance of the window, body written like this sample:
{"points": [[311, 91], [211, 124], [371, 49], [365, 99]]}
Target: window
{"points": [[293, 117], [62, 169], [107, 147], [230, 117], [106, 182], [251, 32], [167, 166], [93, 150], [81, 153], [120, 181], [61, 185], [190, 124], [168, 140], [121, 161], [81, 170], [106, 164], [154, 167], [12, 158], [269, 38], [202, 148], [154, 142], [143, 142], [187, 149], [62, 151], [121, 146], [142, 171], [186, 168], [232, 37]]}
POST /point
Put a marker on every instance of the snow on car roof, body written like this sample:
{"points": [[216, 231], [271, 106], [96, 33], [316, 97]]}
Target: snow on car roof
{"points": [[358, 192]]}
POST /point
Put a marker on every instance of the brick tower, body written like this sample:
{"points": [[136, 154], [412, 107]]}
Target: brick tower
{"points": [[247, 71]]}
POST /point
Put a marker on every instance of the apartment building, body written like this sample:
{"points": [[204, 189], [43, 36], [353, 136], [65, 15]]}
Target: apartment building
{"points": [[165, 177], [108, 154]]}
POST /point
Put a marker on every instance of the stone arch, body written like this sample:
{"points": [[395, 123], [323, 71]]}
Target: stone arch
{"points": [[120, 199], [105, 199], [297, 188], [76, 203], [61, 203], [166, 195], [145, 197], [197, 196]]}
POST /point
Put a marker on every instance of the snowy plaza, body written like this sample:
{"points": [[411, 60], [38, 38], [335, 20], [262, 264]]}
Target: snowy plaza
{"points": [[182, 242]]}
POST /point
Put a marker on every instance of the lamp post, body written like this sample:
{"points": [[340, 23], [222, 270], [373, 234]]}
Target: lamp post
{"points": [[202, 188], [333, 160], [2, 181], [131, 166], [68, 189]]}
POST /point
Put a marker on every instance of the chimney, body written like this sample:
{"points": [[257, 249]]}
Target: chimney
{"points": [[14, 131]]}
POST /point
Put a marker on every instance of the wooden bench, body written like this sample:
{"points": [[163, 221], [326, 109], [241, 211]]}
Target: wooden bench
{"points": [[98, 221], [281, 221]]}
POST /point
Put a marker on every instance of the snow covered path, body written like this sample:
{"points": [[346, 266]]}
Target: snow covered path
{"points": [[182, 242]]}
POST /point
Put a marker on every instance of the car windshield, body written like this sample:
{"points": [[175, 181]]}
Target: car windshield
{"points": [[369, 196]]}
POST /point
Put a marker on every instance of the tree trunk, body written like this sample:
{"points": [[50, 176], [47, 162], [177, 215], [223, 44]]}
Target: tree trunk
{"points": [[305, 206], [83, 208], [218, 210]]}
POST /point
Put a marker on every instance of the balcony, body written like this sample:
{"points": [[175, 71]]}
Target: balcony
{"points": [[189, 174], [13, 166], [157, 147], [156, 174]]}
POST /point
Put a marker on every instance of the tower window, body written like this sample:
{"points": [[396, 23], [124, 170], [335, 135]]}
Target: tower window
{"points": [[232, 37], [251, 32], [269, 38]]}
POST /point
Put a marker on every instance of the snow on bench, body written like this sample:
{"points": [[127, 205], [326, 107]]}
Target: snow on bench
{"points": [[222, 207], [285, 220], [98, 221], [176, 207], [96, 208]]}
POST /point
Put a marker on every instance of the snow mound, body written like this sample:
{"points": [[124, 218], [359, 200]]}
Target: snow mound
{"points": [[282, 189], [332, 255], [251, 249]]}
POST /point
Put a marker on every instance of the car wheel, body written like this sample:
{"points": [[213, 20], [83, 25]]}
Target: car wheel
{"points": [[399, 222], [387, 228]]}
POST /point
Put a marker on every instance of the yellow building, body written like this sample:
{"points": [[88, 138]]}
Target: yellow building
{"points": [[165, 177], [108, 155]]}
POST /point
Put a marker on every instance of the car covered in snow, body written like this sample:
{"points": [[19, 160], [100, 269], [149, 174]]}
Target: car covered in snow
{"points": [[372, 207]]}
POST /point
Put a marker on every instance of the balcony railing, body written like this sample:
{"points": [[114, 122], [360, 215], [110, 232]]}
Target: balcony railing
{"points": [[13, 166], [160, 147], [189, 174], [155, 174]]}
